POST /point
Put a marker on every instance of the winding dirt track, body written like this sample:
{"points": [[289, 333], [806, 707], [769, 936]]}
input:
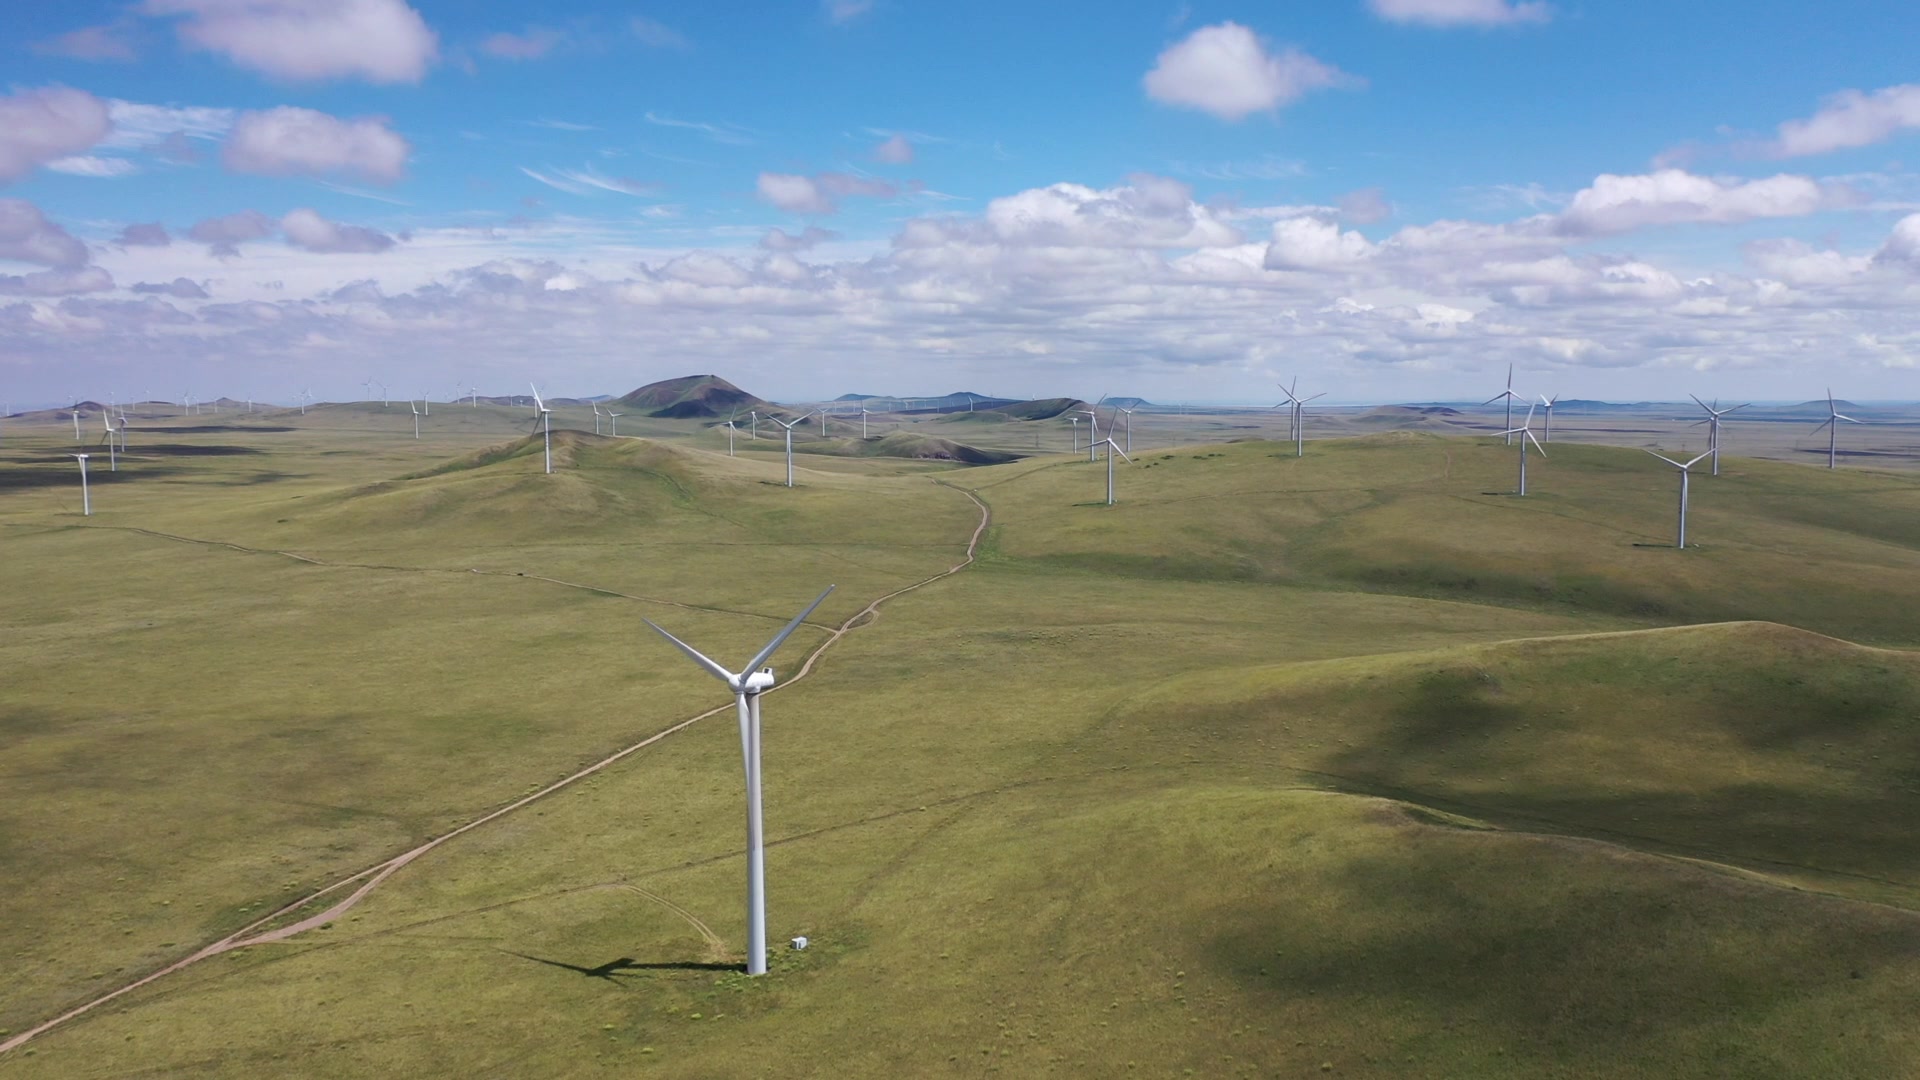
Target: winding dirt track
{"points": [[371, 878]]}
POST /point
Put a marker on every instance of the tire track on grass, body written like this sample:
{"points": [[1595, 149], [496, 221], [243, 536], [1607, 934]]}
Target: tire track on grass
{"points": [[256, 932]]}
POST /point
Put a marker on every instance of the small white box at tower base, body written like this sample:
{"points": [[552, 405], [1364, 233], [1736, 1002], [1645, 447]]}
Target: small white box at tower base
{"points": [[800, 942]]}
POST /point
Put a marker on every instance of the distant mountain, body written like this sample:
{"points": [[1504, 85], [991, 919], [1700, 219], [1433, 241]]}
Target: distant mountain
{"points": [[703, 397], [1041, 409]]}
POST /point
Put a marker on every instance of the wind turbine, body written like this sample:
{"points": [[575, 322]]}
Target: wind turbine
{"points": [[368, 385], [730, 432], [416, 418], [1126, 429], [1832, 424], [747, 685], [1525, 431], [474, 393], [596, 416], [1299, 411], [86, 500], [113, 458], [544, 417], [1713, 426], [76, 421], [790, 425], [1510, 398], [426, 406], [1075, 421], [1093, 425], [1686, 471], [1546, 405], [753, 423], [306, 397], [613, 420], [384, 399], [1112, 449], [823, 423], [863, 421]]}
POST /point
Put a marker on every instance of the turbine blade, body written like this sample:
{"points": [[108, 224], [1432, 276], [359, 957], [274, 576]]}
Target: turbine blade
{"points": [[1732, 408], [1493, 399], [1821, 424], [1848, 419], [1702, 404], [700, 658], [1322, 394], [1116, 449], [1536, 442], [1668, 460], [761, 657], [1698, 460]]}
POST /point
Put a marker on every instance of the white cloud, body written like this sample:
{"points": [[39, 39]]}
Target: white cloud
{"points": [[89, 43], [308, 231], [27, 236], [179, 288], [1849, 119], [820, 193], [537, 42], [152, 234], [1903, 244], [895, 151], [1799, 263], [1147, 212], [1308, 243], [137, 125], [730, 134], [289, 141], [657, 34], [87, 165], [86, 279], [1671, 197], [781, 240], [224, 235], [1366, 206], [1461, 12], [382, 41], [589, 180], [839, 11], [1227, 71], [39, 126]]}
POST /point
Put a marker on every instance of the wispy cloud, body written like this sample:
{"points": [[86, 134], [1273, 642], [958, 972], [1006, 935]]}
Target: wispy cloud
{"points": [[560, 125], [657, 34], [730, 134], [589, 180], [88, 165], [840, 11], [1267, 168], [362, 193]]}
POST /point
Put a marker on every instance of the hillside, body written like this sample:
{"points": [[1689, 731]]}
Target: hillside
{"points": [[703, 397], [904, 444], [1039, 409]]}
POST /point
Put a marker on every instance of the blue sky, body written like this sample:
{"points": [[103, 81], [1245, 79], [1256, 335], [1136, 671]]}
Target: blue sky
{"points": [[1184, 201]]}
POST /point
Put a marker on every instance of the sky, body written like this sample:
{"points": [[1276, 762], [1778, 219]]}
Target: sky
{"points": [[1386, 199]]}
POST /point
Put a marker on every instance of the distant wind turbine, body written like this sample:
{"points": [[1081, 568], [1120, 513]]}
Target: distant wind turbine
{"points": [[1686, 471], [790, 425], [1075, 421], [1298, 408], [1713, 426], [1112, 449], [1127, 429], [1546, 406], [730, 432], [1525, 431], [1510, 397], [1093, 425], [613, 420], [747, 685], [863, 421], [416, 418], [1832, 424], [544, 417]]}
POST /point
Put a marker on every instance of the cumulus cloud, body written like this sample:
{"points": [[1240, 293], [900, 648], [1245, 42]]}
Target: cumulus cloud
{"points": [[1903, 244], [1461, 12], [820, 193], [290, 141], [85, 279], [97, 167], [224, 235], [657, 34], [309, 231], [781, 240], [382, 41], [1615, 204], [39, 126], [89, 43], [1367, 206], [1849, 119], [1147, 212], [537, 42], [151, 234], [1309, 243], [179, 288], [27, 236], [895, 151], [1227, 71]]}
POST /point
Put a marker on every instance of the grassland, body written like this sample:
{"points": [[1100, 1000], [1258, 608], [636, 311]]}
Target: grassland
{"points": [[1279, 767]]}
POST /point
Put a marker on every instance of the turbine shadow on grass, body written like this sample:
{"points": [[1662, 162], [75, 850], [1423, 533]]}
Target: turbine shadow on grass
{"points": [[613, 969]]}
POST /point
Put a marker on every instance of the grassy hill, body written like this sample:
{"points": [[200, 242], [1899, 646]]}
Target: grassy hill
{"points": [[909, 445], [692, 397], [1332, 765]]}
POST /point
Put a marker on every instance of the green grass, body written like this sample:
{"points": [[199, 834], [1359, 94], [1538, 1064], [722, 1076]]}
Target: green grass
{"points": [[1279, 765]]}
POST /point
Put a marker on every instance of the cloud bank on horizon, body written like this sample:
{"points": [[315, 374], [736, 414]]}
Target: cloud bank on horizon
{"points": [[1398, 196]]}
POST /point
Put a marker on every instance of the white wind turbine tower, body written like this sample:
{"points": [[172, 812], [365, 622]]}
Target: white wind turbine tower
{"points": [[1525, 431], [1112, 449], [416, 418], [474, 393], [1546, 406], [823, 423], [1832, 424], [76, 421], [1093, 426], [385, 400], [731, 430], [1686, 471], [790, 425], [426, 406], [113, 457], [747, 685], [368, 385], [1299, 411], [1713, 426], [544, 417], [86, 499], [613, 421], [1510, 398], [753, 423], [306, 397], [1075, 421], [1126, 427], [596, 416], [863, 420]]}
